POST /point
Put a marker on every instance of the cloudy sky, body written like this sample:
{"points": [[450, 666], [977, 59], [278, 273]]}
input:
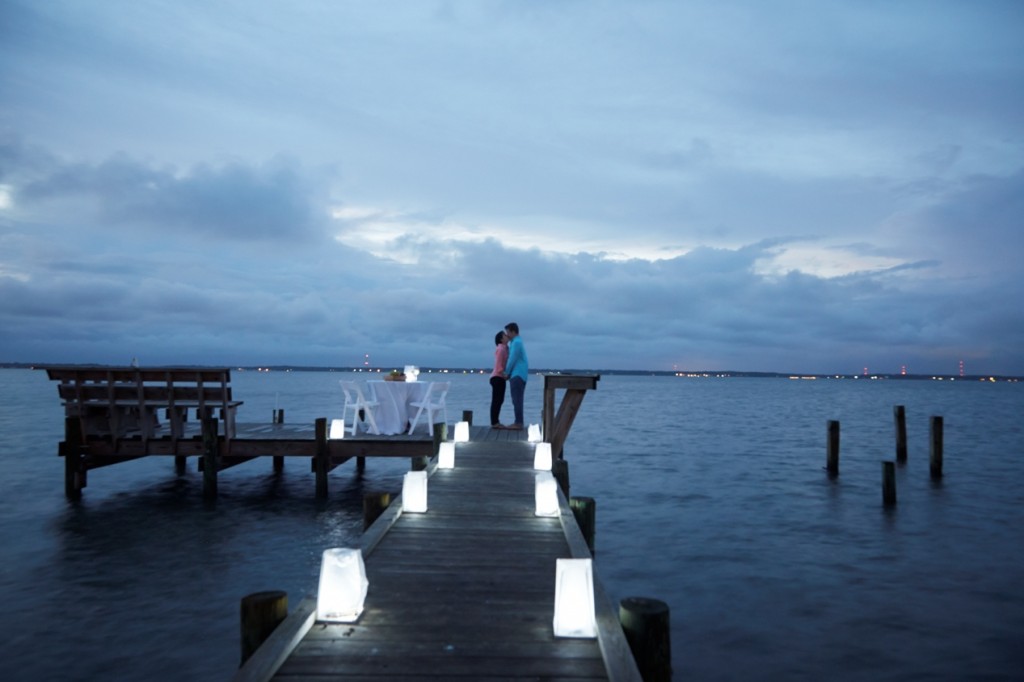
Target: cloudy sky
{"points": [[809, 186]]}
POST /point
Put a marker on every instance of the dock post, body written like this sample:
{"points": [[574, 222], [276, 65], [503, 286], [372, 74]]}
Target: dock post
{"points": [[935, 447], [320, 464], [560, 470], [211, 452], [645, 623], [832, 448], [180, 464], [374, 505], [889, 483], [467, 416], [899, 414], [261, 612], [278, 459], [74, 469], [585, 511], [440, 435]]}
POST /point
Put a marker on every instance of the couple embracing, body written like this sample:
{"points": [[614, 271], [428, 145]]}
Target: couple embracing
{"points": [[510, 365]]}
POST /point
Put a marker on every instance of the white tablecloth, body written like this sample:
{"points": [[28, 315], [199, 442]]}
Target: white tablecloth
{"points": [[393, 414]]}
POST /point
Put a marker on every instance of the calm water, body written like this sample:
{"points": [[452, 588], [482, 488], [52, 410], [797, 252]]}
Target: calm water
{"points": [[711, 496]]}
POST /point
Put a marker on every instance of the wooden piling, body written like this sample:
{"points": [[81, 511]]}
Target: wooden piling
{"points": [[261, 612], [467, 416], [320, 464], [900, 418], [74, 467], [211, 455], [560, 470], [585, 511], [278, 459], [440, 435], [832, 448], [645, 623], [374, 505], [935, 447], [889, 483]]}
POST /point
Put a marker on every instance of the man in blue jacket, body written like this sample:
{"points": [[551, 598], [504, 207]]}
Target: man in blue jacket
{"points": [[517, 370]]}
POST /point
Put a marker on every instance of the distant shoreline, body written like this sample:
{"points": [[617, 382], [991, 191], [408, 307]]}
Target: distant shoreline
{"points": [[687, 374]]}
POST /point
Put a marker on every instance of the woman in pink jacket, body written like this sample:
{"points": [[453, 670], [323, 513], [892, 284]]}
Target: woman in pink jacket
{"points": [[498, 378]]}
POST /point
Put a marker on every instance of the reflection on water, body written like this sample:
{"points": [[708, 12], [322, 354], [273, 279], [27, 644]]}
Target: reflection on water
{"points": [[711, 495]]}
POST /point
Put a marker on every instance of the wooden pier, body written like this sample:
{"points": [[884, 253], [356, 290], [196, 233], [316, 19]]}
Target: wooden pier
{"points": [[118, 414], [463, 591]]}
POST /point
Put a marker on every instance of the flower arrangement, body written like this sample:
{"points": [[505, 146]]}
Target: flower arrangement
{"points": [[395, 375]]}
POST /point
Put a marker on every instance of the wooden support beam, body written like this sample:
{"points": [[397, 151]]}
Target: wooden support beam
{"points": [[226, 462], [557, 426]]}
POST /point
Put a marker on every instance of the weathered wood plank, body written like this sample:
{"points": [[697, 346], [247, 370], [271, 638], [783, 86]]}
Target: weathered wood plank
{"points": [[464, 591]]}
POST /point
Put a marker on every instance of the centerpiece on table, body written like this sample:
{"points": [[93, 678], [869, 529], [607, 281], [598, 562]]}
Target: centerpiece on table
{"points": [[395, 375]]}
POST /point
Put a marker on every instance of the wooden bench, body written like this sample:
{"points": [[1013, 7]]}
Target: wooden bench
{"points": [[119, 402]]}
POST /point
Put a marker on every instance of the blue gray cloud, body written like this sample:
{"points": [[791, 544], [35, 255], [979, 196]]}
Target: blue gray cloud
{"points": [[802, 187]]}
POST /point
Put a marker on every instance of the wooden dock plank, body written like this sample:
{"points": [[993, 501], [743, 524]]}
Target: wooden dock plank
{"points": [[466, 590]]}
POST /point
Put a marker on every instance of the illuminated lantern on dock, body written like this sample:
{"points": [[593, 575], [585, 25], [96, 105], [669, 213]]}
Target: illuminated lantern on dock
{"points": [[414, 492], [542, 456], [533, 433], [545, 495], [343, 585], [446, 456], [337, 429], [462, 432], [574, 598]]}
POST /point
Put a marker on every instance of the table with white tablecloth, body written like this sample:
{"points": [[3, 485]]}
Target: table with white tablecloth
{"points": [[393, 413]]}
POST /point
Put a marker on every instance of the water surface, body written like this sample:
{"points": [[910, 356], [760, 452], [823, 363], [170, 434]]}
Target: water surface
{"points": [[711, 496]]}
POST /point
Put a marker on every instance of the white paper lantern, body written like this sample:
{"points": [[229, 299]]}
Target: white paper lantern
{"points": [[545, 495], [414, 492], [446, 456], [574, 598], [462, 432], [337, 429], [533, 433], [343, 585], [542, 456]]}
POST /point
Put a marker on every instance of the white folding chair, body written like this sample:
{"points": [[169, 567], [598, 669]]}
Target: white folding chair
{"points": [[432, 403], [356, 401]]}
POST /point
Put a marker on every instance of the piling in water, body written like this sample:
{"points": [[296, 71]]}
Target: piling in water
{"points": [[320, 463], [211, 455], [935, 447], [374, 505], [261, 612], [832, 448], [585, 511], [645, 623], [899, 415], [889, 483]]}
